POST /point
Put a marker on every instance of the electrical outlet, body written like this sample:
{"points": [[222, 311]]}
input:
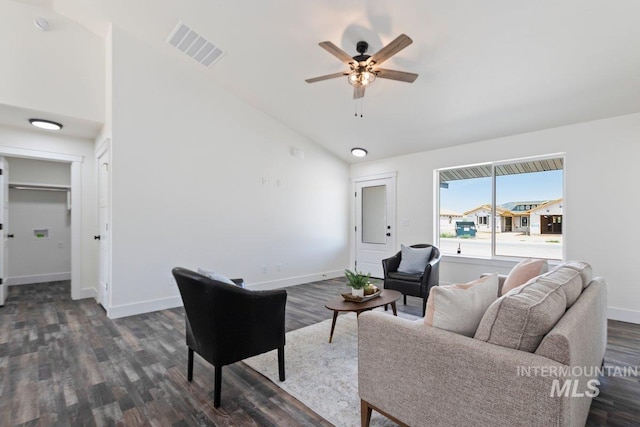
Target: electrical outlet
{"points": [[264, 269]]}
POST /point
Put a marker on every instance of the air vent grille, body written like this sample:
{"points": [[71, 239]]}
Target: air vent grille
{"points": [[192, 44]]}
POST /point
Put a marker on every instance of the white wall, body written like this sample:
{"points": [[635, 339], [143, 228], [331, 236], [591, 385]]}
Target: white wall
{"points": [[600, 172], [47, 142], [201, 179], [59, 71], [30, 171], [31, 259]]}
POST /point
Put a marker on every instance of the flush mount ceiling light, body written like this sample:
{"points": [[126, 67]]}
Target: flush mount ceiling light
{"points": [[45, 124], [359, 152]]}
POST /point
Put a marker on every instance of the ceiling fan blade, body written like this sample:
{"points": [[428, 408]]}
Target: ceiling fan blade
{"points": [[336, 51], [358, 92], [401, 76], [326, 77], [391, 49]]}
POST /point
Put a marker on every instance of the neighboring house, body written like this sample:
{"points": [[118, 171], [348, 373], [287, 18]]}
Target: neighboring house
{"points": [[520, 211], [482, 217], [448, 220], [534, 217], [547, 218]]}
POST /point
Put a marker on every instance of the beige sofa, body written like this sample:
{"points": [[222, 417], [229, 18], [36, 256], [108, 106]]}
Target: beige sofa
{"points": [[418, 375]]}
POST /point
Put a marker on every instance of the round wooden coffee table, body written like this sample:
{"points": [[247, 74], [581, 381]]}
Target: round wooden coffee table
{"points": [[339, 304]]}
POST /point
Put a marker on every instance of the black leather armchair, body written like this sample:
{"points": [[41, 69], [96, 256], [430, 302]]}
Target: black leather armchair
{"points": [[226, 323], [417, 285]]}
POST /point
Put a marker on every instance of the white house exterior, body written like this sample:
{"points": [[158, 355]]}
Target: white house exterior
{"points": [[547, 218], [448, 220], [541, 217], [482, 217]]}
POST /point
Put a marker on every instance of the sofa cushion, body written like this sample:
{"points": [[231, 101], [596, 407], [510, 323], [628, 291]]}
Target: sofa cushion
{"points": [[586, 273], [459, 308], [406, 277], [522, 317], [568, 279], [524, 271], [414, 260]]}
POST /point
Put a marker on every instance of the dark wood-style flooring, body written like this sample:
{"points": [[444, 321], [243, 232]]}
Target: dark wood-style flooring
{"points": [[64, 363]]}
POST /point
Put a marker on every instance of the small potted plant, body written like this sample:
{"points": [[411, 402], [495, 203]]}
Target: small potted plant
{"points": [[357, 282]]}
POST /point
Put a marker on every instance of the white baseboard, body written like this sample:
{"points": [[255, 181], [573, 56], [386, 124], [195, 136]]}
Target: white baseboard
{"points": [[171, 302], [85, 293], [623, 314], [37, 278], [143, 307], [292, 281]]}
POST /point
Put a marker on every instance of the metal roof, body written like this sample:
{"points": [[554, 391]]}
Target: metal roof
{"points": [[484, 171]]}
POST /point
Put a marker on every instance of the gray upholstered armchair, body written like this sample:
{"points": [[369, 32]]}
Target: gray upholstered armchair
{"points": [[416, 285]]}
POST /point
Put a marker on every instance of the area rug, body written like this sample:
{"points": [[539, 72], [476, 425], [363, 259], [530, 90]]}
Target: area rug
{"points": [[322, 376]]}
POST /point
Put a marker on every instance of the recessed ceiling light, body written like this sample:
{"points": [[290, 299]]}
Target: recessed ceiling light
{"points": [[45, 124], [359, 152]]}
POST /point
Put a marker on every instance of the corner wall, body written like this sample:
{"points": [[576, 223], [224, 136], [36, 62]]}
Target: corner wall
{"points": [[201, 179], [601, 176]]}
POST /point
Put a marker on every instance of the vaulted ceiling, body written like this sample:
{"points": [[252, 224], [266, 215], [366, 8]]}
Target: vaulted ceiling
{"points": [[487, 69]]}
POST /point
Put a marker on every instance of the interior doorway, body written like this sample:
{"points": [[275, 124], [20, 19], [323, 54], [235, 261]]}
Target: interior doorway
{"points": [[40, 221], [375, 209], [74, 162], [103, 155], [4, 219]]}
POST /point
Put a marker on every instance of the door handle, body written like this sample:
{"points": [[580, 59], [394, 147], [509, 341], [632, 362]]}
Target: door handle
{"points": [[10, 236], [96, 237], [388, 234]]}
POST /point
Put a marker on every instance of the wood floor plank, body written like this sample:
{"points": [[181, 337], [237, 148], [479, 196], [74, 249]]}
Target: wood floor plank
{"points": [[64, 363]]}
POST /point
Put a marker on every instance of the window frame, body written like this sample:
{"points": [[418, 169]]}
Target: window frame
{"points": [[493, 165]]}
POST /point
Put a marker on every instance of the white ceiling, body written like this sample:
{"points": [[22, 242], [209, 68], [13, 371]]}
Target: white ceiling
{"points": [[487, 68]]}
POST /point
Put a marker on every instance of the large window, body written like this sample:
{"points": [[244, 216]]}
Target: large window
{"points": [[504, 209]]}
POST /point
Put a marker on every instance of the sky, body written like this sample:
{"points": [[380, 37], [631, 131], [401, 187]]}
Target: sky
{"points": [[466, 194]]}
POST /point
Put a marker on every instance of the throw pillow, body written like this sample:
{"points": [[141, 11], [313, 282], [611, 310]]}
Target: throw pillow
{"points": [[524, 271], [216, 276], [459, 308], [414, 260]]}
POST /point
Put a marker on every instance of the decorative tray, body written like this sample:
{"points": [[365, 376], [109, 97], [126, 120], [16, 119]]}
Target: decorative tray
{"points": [[348, 297]]}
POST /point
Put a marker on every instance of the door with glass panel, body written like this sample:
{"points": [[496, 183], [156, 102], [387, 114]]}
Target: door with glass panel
{"points": [[375, 224]]}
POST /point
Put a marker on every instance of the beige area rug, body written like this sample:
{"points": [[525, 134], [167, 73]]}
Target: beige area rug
{"points": [[322, 376]]}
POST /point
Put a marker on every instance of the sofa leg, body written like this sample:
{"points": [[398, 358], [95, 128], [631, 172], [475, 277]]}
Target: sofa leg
{"points": [[405, 299], [281, 363], [365, 413], [216, 387], [424, 306], [190, 366]]}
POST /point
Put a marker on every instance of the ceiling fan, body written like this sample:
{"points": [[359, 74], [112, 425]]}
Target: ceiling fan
{"points": [[363, 68]]}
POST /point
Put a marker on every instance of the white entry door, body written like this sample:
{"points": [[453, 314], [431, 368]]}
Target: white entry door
{"points": [[104, 204], [375, 223], [4, 226]]}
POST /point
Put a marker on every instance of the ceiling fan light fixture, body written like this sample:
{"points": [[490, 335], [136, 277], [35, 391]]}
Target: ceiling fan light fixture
{"points": [[45, 124], [359, 152], [361, 77]]}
